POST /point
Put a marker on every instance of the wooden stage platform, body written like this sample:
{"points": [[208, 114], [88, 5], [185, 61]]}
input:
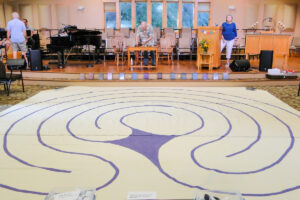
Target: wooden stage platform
{"points": [[182, 66], [77, 72]]}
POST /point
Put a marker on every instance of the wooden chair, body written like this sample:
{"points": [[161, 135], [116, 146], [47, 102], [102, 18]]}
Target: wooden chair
{"points": [[118, 47], [184, 47], [165, 49]]}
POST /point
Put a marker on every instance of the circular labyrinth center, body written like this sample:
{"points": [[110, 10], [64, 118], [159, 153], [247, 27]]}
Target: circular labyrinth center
{"points": [[182, 139]]}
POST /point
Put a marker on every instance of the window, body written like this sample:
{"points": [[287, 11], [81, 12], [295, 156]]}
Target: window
{"points": [[187, 15], [172, 15], [141, 13], [203, 14], [125, 15], [156, 14], [110, 15]]}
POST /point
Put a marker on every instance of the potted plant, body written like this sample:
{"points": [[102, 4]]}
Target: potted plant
{"points": [[204, 45]]}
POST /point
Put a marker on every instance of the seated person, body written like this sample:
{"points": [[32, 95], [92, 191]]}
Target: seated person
{"points": [[4, 44], [145, 37]]}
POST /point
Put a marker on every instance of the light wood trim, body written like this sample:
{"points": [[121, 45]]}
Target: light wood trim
{"points": [[180, 14], [210, 12], [195, 24], [149, 12], [118, 15], [102, 15], [164, 15], [133, 14]]}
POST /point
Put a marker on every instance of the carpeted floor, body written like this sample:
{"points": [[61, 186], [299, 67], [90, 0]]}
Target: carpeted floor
{"points": [[170, 140], [287, 94]]}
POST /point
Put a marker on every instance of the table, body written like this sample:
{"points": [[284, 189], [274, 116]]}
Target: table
{"points": [[142, 48]]}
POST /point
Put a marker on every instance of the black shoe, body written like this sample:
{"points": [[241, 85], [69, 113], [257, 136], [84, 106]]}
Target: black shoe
{"points": [[153, 62]]}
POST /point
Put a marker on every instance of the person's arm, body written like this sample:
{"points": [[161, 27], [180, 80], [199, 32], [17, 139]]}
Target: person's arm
{"points": [[8, 34], [151, 32], [24, 31], [235, 31], [150, 38], [32, 30]]}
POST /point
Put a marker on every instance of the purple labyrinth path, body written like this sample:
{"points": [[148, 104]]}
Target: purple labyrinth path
{"points": [[173, 141]]}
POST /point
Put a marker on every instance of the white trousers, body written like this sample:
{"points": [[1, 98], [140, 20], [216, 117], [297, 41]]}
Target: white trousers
{"points": [[229, 45]]}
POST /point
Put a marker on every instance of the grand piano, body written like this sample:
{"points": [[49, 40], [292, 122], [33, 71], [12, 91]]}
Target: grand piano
{"points": [[70, 37]]}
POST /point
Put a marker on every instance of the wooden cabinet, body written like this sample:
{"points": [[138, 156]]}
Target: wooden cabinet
{"points": [[279, 43]]}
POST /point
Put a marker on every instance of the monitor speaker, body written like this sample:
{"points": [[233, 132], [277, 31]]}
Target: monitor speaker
{"points": [[240, 66], [35, 59], [265, 60]]}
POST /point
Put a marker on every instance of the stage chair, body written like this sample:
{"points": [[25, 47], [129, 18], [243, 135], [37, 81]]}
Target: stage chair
{"points": [[157, 34], [184, 47], [186, 32], [125, 32], [118, 47], [295, 46], [110, 32], [7, 78], [165, 49], [109, 49], [168, 30], [171, 37]]}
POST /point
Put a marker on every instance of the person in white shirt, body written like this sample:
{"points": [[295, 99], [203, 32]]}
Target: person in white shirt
{"points": [[16, 33]]}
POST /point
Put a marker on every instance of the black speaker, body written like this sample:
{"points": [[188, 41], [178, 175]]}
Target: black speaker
{"points": [[265, 60], [35, 60], [15, 64], [240, 66]]}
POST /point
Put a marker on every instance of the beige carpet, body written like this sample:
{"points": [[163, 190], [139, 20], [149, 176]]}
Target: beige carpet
{"points": [[173, 141]]}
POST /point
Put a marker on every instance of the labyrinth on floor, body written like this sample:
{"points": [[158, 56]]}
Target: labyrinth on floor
{"points": [[173, 141]]}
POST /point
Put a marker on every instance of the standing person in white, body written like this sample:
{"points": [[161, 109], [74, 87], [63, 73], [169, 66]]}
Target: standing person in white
{"points": [[16, 33], [229, 35]]}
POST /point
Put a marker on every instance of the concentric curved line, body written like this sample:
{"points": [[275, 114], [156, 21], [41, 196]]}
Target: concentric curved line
{"points": [[290, 147]]}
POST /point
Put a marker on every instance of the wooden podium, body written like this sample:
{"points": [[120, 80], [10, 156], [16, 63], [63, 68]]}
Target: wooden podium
{"points": [[279, 43], [212, 58]]}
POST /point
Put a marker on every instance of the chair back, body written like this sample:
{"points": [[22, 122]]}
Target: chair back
{"points": [[130, 42], [2, 71], [118, 43], [168, 30], [15, 64], [171, 37], [165, 45], [110, 32], [296, 42], [184, 42], [125, 31], [156, 34]]}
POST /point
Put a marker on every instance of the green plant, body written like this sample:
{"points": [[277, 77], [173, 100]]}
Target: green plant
{"points": [[204, 45]]}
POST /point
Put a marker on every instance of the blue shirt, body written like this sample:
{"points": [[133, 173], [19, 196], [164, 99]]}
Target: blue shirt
{"points": [[16, 28], [229, 31]]}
